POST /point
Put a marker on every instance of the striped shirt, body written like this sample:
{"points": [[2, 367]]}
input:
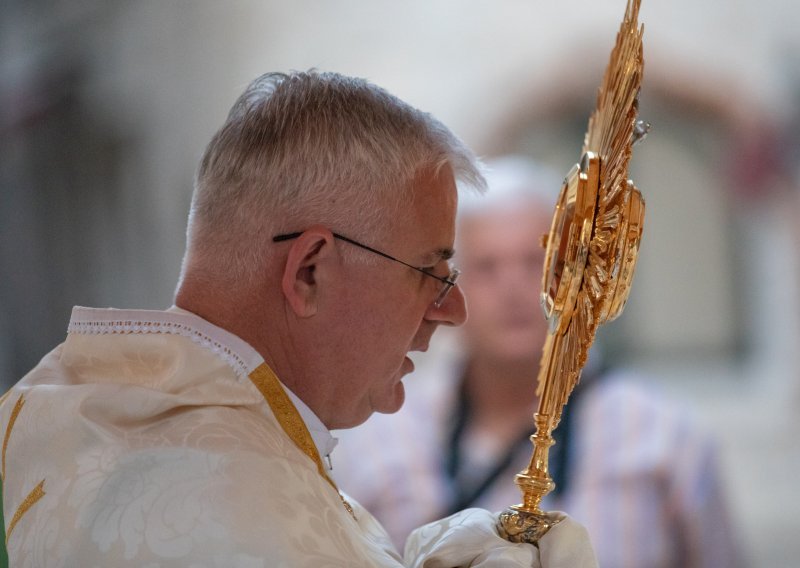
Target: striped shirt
{"points": [[642, 477]]}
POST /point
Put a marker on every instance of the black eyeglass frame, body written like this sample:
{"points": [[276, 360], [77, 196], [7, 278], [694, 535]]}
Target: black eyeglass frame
{"points": [[448, 282]]}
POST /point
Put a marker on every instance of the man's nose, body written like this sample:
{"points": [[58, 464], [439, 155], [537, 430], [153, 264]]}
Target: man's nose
{"points": [[452, 311]]}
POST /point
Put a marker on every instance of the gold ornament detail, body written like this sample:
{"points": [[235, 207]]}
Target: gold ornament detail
{"points": [[591, 255]]}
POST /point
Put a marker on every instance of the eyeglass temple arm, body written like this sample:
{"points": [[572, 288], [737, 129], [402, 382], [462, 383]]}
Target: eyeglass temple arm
{"points": [[290, 236]]}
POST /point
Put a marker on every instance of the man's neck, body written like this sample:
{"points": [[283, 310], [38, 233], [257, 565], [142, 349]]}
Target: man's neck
{"points": [[241, 317]]}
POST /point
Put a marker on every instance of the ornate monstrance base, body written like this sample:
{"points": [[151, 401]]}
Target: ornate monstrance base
{"points": [[516, 525], [526, 522]]}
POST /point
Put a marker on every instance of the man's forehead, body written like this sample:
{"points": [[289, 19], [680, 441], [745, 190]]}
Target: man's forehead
{"points": [[432, 217]]}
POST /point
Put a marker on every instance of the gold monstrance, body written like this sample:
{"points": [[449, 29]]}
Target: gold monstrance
{"points": [[591, 254]]}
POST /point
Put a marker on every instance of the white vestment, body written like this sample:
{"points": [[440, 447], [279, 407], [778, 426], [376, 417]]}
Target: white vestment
{"points": [[140, 441]]}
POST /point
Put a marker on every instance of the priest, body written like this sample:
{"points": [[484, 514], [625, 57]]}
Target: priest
{"points": [[318, 256]]}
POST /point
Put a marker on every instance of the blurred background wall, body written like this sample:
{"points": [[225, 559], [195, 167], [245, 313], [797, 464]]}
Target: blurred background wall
{"points": [[105, 108]]}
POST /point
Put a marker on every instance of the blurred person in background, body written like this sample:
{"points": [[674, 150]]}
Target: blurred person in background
{"points": [[200, 435], [636, 469]]}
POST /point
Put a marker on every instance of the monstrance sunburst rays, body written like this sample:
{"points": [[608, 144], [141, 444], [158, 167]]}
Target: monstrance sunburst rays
{"points": [[591, 254], [610, 137]]}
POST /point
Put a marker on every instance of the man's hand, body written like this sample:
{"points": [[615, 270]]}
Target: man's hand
{"points": [[565, 545], [469, 539]]}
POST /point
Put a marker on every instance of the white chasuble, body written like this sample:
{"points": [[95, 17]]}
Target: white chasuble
{"points": [[142, 441]]}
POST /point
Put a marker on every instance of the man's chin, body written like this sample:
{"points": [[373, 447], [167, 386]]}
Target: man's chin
{"points": [[389, 405], [395, 402]]}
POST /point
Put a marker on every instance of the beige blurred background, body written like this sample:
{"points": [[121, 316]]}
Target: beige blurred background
{"points": [[106, 106]]}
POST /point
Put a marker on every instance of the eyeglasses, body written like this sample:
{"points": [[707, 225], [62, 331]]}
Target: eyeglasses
{"points": [[447, 283]]}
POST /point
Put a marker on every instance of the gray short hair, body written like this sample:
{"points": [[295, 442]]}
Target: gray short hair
{"points": [[312, 147]]}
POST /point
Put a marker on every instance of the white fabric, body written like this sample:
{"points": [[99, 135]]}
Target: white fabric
{"points": [[321, 436], [468, 538], [567, 544], [155, 449]]}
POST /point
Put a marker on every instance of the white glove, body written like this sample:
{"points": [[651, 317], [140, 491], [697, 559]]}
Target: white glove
{"points": [[469, 539], [566, 545]]}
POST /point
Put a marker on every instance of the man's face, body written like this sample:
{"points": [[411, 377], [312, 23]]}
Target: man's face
{"points": [[501, 256], [390, 307]]}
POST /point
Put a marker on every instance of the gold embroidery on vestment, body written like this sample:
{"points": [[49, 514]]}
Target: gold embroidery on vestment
{"points": [[290, 420], [287, 415], [38, 491], [11, 421], [27, 503]]}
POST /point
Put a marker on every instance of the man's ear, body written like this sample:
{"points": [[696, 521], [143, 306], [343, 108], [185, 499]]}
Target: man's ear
{"points": [[300, 281]]}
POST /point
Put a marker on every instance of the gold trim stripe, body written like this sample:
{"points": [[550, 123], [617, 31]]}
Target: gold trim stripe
{"points": [[11, 421], [30, 500], [288, 417], [290, 420]]}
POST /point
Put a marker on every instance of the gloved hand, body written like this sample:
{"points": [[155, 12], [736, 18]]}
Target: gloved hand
{"points": [[566, 545], [469, 539]]}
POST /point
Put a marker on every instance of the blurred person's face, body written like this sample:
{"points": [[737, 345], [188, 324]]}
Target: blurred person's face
{"points": [[501, 257]]}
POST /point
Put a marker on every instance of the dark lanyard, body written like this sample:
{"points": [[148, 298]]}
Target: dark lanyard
{"points": [[466, 495]]}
